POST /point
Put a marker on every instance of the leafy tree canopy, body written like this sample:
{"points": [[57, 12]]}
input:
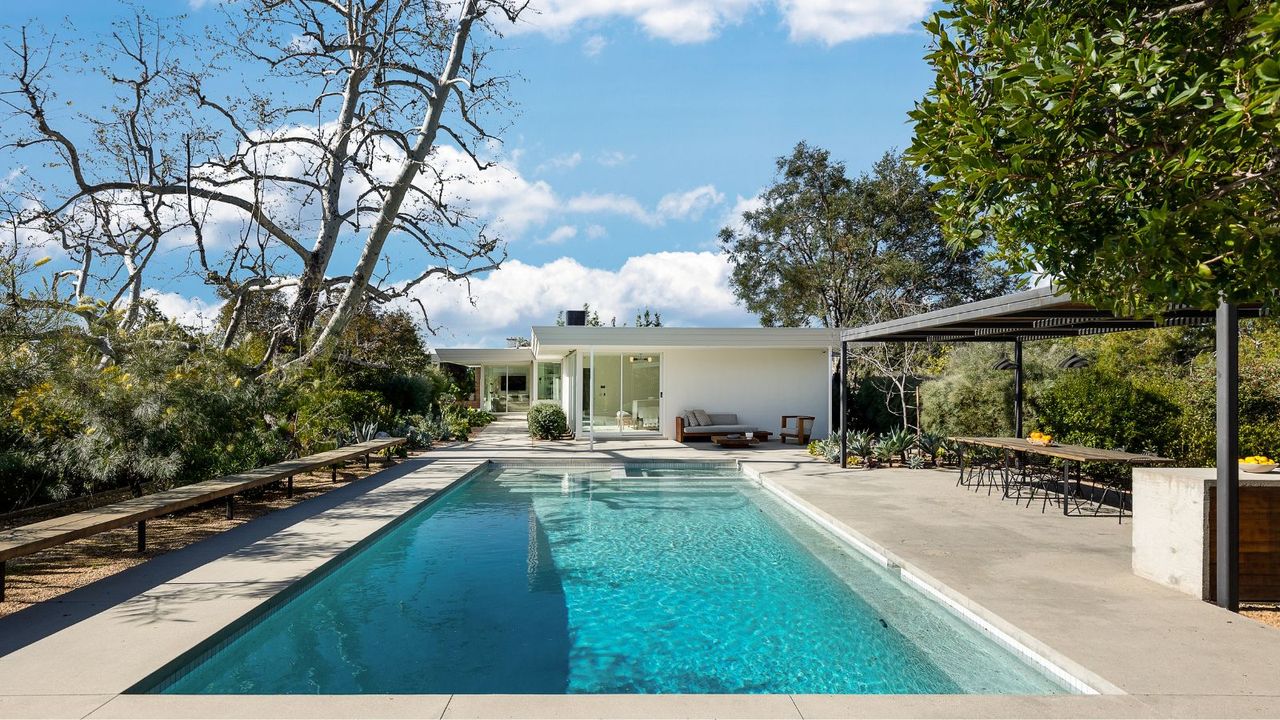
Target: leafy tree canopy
{"points": [[1128, 148], [836, 251]]}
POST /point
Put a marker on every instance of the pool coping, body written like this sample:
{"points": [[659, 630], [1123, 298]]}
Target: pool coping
{"points": [[18, 701], [1023, 644]]}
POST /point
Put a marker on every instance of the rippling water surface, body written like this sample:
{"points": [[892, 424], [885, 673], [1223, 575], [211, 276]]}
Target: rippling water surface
{"points": [[572, 581]]}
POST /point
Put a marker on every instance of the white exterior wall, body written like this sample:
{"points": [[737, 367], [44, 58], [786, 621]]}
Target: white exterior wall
{"points": [[760, 385]]}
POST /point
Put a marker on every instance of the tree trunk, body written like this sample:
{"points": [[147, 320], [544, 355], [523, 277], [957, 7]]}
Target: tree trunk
{"points": [[311, 283], [353, 296]]}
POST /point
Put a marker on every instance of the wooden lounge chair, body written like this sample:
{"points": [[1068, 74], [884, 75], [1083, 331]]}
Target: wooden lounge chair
{"points": [[802, 431]]}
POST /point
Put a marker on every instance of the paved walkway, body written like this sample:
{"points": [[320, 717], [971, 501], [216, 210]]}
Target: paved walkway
{"points": [[1061, 584]]}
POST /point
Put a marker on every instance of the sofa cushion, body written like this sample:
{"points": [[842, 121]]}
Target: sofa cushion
{"points": [[724, 429], [723, 419], [690, 420], [703, 418]]}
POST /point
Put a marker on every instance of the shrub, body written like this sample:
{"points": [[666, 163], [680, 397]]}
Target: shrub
{"points": [[459, 429], [325, 412], [1095, 407], [547, 421], [421, 431]]}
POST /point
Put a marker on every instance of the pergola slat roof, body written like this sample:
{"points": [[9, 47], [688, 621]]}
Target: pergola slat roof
{"points": [[1037, 314]]}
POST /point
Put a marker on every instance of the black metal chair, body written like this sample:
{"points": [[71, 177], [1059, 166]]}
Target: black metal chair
{"points": [[980, 467]]}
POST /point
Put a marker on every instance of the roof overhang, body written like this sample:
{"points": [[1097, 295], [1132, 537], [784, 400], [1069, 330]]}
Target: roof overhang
{"points": [[1037, 314], [475, 357], [558, 340]]}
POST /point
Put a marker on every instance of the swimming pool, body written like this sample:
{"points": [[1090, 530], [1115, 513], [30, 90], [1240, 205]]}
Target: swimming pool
{"points": [[633, 579]]}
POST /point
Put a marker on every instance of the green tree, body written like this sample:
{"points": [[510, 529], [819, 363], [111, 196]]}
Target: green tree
{"points": [[1127, 148], [829, 250], [648, 319]]}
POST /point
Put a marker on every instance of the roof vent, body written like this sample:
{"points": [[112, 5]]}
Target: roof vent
{"points": [[577, 318]]}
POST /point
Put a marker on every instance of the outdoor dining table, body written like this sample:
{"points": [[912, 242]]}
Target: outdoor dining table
{"points": [[1068, 454]]}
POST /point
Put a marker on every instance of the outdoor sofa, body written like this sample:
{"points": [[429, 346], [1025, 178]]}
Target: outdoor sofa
{"points": [[696, 424]]}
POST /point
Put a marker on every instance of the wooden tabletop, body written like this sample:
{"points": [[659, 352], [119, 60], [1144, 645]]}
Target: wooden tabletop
{"points": [[1079, 453]]}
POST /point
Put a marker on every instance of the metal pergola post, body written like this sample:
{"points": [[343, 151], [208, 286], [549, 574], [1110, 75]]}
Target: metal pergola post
{"points": [[1017, 387], [1228, 430], [844, 405]]}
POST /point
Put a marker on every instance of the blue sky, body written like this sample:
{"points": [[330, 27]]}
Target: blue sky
{"points": [[639, 131]]}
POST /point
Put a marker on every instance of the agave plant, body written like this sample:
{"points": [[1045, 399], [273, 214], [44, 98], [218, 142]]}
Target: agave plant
{"points": [[861, 443], [931, 444], [898, 442], [883, 452], [950, 450], [360, 432], [831, 449]]}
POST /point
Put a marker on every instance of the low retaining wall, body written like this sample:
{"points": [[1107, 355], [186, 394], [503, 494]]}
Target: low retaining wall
{"points": [[1174, 522]]}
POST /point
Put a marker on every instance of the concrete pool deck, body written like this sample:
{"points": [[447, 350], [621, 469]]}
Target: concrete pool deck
{"points": [[1061, 584]]}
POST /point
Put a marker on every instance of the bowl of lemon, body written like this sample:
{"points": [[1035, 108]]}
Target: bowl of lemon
{"points": [[1257, 464], [1039, 438]]}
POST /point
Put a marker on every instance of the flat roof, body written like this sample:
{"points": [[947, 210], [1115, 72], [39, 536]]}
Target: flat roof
{"points": [[1037, 314], [560, 338], [473, 357]]}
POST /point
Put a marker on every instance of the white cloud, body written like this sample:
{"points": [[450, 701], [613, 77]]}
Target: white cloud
{"points": [[687, 288], [567, 161], [189, 311], [611, 204], [733, 218], [689, 205], [681, 21], [595, 232], [836, 21], [614, 158], [559, 235], [594, 45], [691, 21]]}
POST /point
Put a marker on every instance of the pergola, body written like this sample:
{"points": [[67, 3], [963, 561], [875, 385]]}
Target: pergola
{"points": [[1045, 313]]}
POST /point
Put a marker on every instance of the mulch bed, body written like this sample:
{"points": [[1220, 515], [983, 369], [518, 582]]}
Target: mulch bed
{"points": [[58, 570]]}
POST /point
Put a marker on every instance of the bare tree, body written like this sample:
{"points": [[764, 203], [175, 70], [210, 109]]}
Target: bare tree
{"points": [[354, 126]]}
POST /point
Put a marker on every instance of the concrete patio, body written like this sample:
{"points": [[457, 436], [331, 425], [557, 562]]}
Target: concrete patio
{"points": [[1061, 586]]}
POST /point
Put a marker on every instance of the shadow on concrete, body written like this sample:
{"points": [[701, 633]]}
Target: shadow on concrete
{"points": [[46, 618]]}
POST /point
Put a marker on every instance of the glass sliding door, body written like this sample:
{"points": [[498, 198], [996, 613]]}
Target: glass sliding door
{"points": [[549, 382], [606, 394], [621, 393], [506, 388], [641, 377]]}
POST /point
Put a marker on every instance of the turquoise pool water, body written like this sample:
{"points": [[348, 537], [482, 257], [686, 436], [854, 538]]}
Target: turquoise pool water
{"points": [[599, 581]]}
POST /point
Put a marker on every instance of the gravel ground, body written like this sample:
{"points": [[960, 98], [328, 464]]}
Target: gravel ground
{"points": [[1265, 614], [50, 573]]}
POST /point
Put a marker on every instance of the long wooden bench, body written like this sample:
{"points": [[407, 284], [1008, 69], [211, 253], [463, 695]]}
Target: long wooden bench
{"points": [[35, 537]]}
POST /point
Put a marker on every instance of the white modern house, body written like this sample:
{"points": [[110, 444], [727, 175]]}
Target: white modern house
{"points": [[634, 381]]}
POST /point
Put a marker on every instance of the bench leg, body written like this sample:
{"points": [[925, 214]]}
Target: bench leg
{"points": [[142, 536], [231, 507], [289, 492], [366, 461], [2, 578], [333, 473]]}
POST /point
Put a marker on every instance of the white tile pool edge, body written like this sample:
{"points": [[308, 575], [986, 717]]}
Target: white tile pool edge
{"points": [[1025, 646]]}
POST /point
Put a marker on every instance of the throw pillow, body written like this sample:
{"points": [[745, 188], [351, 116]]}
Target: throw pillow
{"points": [[703, 417]]}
